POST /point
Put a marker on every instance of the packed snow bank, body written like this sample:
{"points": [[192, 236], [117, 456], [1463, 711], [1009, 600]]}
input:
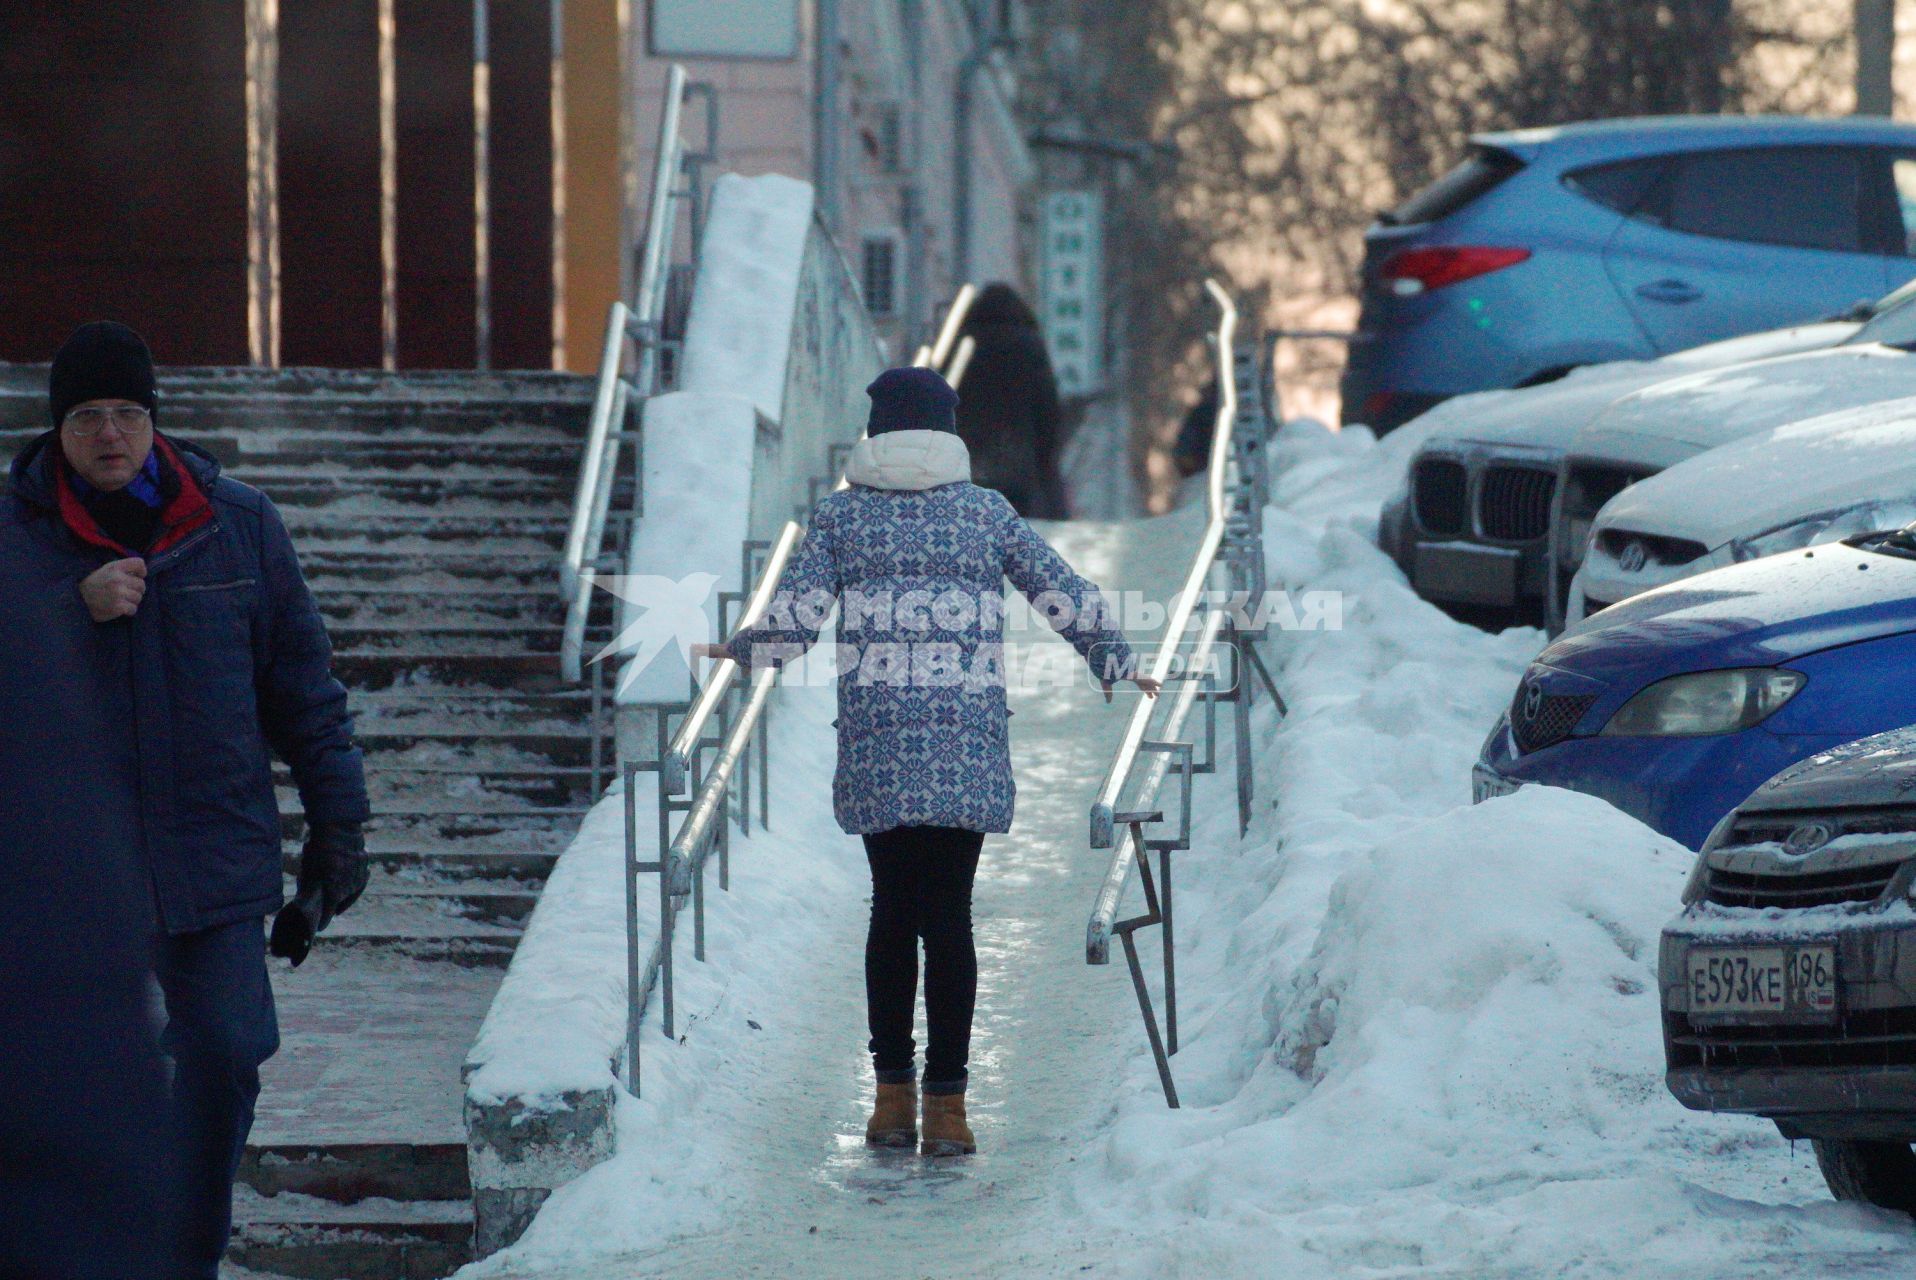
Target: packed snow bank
{"points": [[1421, 1037], [738, 337], [790, 886]]}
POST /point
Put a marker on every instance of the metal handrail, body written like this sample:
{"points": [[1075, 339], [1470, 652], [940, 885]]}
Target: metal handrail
{"points": [[1104, 916], [1235, 491], [938, 354], [1103, 832], [678, 758], [642, 324]]}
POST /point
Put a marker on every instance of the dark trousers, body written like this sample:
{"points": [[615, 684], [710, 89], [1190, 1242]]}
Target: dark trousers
{"points": [[220, 1026], [921, 889]]}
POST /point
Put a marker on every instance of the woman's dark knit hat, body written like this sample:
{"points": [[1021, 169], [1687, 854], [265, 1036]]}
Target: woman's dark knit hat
{"points": [[102, 361], [912, 399]]}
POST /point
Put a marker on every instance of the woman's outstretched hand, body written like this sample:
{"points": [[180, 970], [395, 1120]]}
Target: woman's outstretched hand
{"points": [[716, 652], [1150, 687]]}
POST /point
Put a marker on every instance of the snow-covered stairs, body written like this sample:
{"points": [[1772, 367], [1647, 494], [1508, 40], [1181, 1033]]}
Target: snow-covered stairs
{"points": [[428, 511]]}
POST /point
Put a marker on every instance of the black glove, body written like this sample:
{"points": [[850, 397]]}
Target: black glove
{"points": [[332, 874]]}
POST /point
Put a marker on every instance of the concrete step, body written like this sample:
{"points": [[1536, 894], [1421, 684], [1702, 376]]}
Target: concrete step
{"points": [[419, 933], [507, 904], [341, 528], [454, 864], [321, 490], [520, 672], [566, 704], [352, 452], [452, 819], [435, 564], [399, 744], [538, 784], [307, 1238], [430, 635], [347, 1172], [526, 610]]}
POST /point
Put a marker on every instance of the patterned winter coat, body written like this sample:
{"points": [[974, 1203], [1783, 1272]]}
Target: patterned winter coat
{"points": [[916, 556]]}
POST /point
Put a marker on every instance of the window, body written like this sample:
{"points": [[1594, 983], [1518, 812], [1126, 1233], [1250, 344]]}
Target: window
{"points": [[1485, 169], [878, 274], [1802, 197], [732, 29], [1903, 173], [1617, 186], [889, 139]]}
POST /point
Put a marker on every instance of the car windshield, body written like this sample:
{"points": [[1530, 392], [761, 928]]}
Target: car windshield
{"points": [[1893, 320]]}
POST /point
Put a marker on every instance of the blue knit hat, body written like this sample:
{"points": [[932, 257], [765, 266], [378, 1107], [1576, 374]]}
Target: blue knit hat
{"points": [[912, 399]]}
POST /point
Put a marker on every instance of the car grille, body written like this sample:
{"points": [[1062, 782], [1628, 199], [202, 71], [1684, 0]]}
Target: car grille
{"points": [[1822, 889], [1555, 716], [1656, 549], [1776, 827], [1885, 1038], [1514, 503], [1442, 507]]}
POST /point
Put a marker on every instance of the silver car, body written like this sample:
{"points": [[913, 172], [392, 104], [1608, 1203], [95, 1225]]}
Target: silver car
{"points": [[1471, 526], [1789, 981]]}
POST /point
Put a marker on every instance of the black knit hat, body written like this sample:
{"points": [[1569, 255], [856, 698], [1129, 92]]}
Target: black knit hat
{"points": [[912, 399], [101, 361]]}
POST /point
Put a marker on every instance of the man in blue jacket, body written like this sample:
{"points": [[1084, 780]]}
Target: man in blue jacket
{"points": [[166, 648]]}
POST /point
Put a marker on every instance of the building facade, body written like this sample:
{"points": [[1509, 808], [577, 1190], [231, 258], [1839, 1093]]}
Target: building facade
{"points": [[460, 183]]}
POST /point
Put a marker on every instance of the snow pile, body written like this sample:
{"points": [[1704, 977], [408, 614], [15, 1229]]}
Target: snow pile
{"points": [[697, 479], [790, 886], [738, 337], [558, 1020], [1422, 1037]]}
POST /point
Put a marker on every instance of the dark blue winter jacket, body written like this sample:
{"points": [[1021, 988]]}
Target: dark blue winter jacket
{"points": [[167, 720]]}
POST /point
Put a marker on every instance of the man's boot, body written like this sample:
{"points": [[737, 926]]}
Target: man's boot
{"points": [[945, 1131], [894, 1119]]}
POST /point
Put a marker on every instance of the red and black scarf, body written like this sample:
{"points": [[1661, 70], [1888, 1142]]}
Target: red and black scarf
{"points": [[186, 510]]}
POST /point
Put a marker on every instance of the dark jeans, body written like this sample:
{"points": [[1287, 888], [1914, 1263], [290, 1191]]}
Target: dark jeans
{"points": [[220, 1026], [921, 888]]}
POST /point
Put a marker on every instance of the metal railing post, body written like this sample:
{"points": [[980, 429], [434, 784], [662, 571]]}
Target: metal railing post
{"points": [[1230, 552]]}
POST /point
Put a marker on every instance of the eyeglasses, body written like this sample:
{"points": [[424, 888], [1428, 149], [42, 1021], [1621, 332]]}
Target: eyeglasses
{"points": [[89, 420]]}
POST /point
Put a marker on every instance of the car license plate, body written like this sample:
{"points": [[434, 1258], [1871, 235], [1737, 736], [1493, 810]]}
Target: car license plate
{"points": [[1485, 785], [1785, 983], [1466, 573]]}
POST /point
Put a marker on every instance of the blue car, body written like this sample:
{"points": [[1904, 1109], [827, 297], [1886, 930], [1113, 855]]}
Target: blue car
{"points": [[1547, 249], [1677, 704]]}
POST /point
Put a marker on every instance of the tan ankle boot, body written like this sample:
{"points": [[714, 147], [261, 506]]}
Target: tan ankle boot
{"points": [[945, 1130], [894, 1119]]}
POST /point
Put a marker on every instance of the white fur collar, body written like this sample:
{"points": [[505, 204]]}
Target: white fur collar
{"points": [[909, 460]]}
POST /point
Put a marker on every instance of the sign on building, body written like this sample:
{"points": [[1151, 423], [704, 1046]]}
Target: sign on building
{"points": [[1072, 289], [725, 28]]}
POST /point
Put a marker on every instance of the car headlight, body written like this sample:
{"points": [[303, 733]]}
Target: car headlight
{"points": [[1825, 526], [1705, 702]]}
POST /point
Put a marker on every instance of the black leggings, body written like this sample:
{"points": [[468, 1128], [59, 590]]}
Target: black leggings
{"points": [[921, 888]]}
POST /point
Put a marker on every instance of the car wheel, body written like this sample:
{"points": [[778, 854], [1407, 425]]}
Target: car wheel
{"points": [[1878, 1173]]}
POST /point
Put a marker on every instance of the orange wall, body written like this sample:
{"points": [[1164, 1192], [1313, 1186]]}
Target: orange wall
{"points": [[593, 201]]}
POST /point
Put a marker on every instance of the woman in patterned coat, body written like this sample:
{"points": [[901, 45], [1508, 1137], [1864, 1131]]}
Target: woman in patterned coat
{"points": [[915, 556]]}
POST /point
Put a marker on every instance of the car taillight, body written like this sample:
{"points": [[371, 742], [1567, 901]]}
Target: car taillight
{"points": [[1375, 406], [1409, 272]]}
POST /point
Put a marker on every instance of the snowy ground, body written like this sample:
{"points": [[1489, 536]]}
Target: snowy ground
{"points": [[1420, 1038]]}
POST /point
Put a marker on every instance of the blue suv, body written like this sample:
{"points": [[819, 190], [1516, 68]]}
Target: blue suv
{"points": [[1676, 704], [1547, 249]]}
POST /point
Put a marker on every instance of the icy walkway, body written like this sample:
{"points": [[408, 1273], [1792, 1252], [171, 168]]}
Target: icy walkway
{"points": [[765, 1171]]}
